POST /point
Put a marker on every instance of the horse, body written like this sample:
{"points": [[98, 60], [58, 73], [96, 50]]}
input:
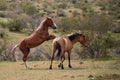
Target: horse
{"points": [[39, 36], [65, 44]]}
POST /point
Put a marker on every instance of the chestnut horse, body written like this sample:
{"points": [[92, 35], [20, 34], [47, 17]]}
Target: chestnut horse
{"points": [[39, 36], [65, 44]]}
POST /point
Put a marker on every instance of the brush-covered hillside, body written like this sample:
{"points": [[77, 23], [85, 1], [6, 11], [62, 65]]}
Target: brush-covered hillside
{"points": [[98, 19]]}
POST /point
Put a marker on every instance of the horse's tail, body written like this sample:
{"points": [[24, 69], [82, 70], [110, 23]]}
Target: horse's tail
{"points": [[59, 49], [13, 52]]}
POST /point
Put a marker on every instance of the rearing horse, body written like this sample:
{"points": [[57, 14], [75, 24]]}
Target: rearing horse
{"points": [[36, 38], [65, 44]]}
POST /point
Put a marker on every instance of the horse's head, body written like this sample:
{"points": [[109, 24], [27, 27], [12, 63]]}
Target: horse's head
{"points": [[51, 23], [78, 37], [81, 39], [85, 44]]}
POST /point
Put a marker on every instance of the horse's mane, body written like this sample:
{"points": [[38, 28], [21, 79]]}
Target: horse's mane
{"points": [[73, 36], [40, 25]]}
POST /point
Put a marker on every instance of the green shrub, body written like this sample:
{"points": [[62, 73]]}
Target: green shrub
{"points": [[2, 14], [100, 43], [108, 77], [16, 24], [60, 13], [62, 5], [3, 5], [113, 8], [77, 5], [29, 9], [68, 24], [75, 13]]}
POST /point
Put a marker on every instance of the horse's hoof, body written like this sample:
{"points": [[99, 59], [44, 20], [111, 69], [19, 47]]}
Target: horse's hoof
{"points": [[59, 66], [62, 67], [50, 67], [69, 66]]}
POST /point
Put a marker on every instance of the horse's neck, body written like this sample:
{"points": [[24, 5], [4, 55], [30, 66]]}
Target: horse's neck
{"points": [[74, 41], [42, 27], [71, 41]]}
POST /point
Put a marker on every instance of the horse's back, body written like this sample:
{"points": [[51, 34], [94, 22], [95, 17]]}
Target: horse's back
{"points": [[64, 42], [60, 40]]}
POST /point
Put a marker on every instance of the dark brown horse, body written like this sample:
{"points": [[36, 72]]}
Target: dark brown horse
{"points": [[36, 38], [65, 44]]}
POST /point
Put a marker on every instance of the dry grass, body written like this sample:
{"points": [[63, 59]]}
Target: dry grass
{"points": [[40, 71]]}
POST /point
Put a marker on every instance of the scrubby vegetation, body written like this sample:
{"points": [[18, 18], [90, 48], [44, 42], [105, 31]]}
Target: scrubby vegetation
{"points": [[98, 19]]}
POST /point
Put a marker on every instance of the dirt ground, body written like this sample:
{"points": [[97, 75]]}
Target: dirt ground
{"points": [[82, 70]]}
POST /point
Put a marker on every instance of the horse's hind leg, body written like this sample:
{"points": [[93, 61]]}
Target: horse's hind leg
{"points": [[62, 60], [25, 52], [52, 57]]}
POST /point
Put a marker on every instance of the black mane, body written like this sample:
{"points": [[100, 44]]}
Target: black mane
{"points": [[73, 36]]}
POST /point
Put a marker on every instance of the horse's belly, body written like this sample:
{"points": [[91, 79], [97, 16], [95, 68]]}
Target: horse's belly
{"points": [[67, 48], [68, 45], [33, 43]]}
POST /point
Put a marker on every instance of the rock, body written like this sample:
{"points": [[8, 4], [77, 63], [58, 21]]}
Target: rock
{"points": [[81, 63]]}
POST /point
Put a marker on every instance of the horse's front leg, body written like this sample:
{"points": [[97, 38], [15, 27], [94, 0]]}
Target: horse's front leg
{"points": [[69, 64], [49, 37]]}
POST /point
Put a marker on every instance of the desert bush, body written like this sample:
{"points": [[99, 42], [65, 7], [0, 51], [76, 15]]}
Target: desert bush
{"points": [[39, 54], [68, 24], [62, 5], [116, 27], [113, 8], [16, 24], [73, 1], [92, 22], [99, 43], [75, 13], [2, 14], [29, 9], [60, 13], [77, 5], [33, 22], [2, 33], [95, 22], [108, 77], [3, 41], [3, 5]]}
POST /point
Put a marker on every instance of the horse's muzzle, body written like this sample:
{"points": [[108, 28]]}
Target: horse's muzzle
{"points": [[54, 27]]}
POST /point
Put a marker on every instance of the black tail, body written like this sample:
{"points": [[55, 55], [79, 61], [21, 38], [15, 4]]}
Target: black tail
{"points": [[59, 49]]}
